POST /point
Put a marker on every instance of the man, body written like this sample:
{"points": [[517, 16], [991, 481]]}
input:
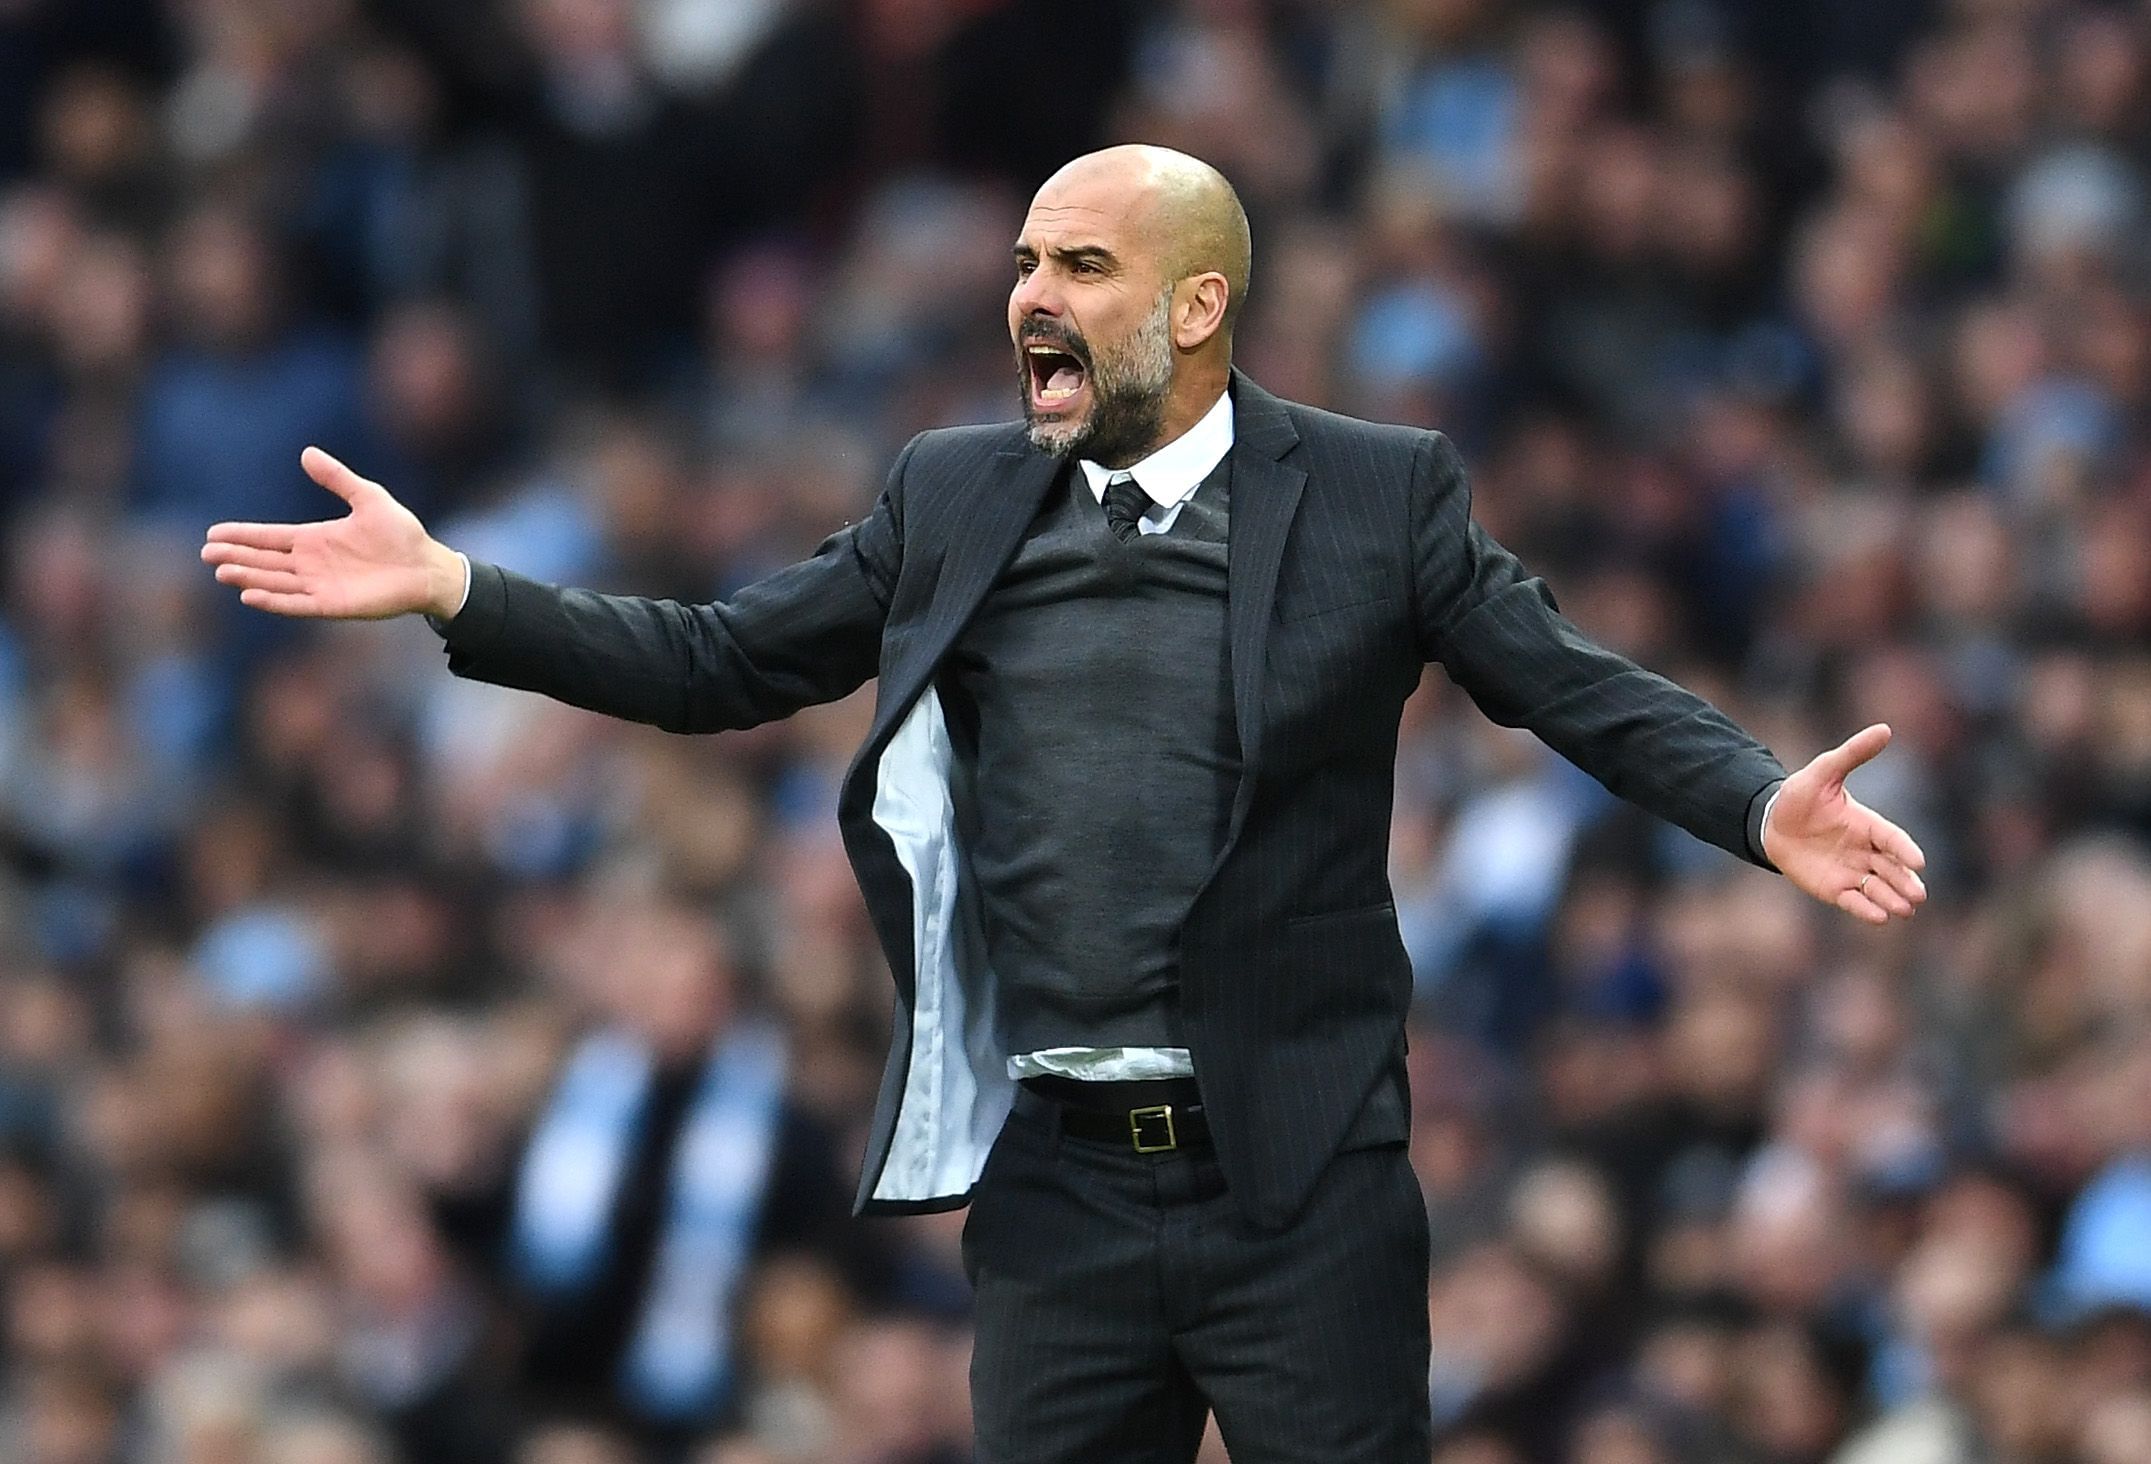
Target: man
{"points": [[1122, 822]]}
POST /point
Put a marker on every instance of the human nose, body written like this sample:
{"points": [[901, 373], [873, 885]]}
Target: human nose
{"points": [[1034, 295]]}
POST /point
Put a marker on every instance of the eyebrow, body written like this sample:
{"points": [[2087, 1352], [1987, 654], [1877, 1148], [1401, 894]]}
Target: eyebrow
{"points": [[1072, 254]]}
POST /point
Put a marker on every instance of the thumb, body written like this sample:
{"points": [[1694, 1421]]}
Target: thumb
{"points": [[1860, 747], [335, 477]]}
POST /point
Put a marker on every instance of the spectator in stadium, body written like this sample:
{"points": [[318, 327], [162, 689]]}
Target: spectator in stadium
{"points": [[1862, 282]]}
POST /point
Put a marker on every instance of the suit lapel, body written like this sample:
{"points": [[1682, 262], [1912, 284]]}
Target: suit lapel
{"points": [[1265, 497], [1016, 480]]}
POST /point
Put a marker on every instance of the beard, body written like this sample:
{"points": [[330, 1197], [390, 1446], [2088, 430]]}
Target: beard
{"points": [[1129, 384]]}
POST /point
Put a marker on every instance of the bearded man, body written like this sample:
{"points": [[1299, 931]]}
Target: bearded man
{"points": [[1122, 822]]}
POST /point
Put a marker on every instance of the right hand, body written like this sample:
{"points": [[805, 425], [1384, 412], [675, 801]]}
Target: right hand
{"points": [[374, 562]]}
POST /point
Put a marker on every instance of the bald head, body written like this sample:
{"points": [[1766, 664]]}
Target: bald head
{"points": [[1130, 271], [1176, 207]]}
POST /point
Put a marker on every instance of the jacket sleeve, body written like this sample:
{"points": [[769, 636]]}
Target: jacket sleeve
{"points": [[806, 634], [1498, 633]]}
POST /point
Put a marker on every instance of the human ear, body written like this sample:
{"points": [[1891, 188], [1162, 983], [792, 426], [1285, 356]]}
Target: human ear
{"points": [[1199, 309]]}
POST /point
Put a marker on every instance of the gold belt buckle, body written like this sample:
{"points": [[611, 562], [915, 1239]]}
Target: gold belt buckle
{"points": [[1140, 1121]]}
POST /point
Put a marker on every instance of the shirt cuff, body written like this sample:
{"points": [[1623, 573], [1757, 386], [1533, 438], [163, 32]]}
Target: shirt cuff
{"points": [[1765, 799]]}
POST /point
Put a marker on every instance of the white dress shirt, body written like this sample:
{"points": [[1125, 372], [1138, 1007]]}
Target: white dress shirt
{"points": [[1170, 477]]}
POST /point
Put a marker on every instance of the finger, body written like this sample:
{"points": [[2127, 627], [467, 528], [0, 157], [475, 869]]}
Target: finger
{"points": [[245, 577], [1908, 885], [335, 477], [1854, 750], [1881, 892], [1898, 844], [244, 554], [279, 603], [257, 536], [1859, 907]]}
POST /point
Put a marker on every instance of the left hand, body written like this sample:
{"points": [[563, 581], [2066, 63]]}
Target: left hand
{"points": [[1835, 847]]}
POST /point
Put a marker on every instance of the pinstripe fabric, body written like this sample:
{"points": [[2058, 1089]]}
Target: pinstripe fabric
{"points": [[1123, 1297], [1353, 561]]}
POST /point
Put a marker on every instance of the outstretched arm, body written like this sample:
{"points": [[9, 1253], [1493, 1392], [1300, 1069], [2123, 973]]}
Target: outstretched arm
{"points": [[1497, 631], [806, 634]]}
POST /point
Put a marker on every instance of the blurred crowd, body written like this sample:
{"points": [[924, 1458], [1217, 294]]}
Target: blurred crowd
{"points": [[1804, 345]]}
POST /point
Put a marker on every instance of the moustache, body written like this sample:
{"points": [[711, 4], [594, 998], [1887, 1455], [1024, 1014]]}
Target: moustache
{"points": [[1059, 337]]}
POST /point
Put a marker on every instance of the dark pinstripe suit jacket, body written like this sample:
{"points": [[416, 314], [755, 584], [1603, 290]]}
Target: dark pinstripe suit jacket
{"points": [[1353, 562]]}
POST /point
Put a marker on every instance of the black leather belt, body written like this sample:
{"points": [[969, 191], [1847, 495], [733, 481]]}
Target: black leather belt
{"points": [[1144, 1117]]}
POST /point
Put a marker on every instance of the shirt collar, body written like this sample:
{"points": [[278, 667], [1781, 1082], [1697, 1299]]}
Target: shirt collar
{"points": [[1177, 469]]}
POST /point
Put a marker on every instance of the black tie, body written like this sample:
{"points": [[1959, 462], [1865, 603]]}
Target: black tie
{"points": [[1125, 505]]}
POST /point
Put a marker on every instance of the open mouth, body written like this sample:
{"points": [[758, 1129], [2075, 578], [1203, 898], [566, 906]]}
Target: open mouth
{"points": [[1057, 377]]}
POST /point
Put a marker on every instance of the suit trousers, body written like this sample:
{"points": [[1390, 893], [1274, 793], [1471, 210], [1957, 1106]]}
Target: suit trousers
{"points": [[1122, 1299]]}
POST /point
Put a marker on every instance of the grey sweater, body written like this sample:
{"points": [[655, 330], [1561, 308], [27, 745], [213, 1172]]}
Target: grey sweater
{"points": [[1090, 704]]}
